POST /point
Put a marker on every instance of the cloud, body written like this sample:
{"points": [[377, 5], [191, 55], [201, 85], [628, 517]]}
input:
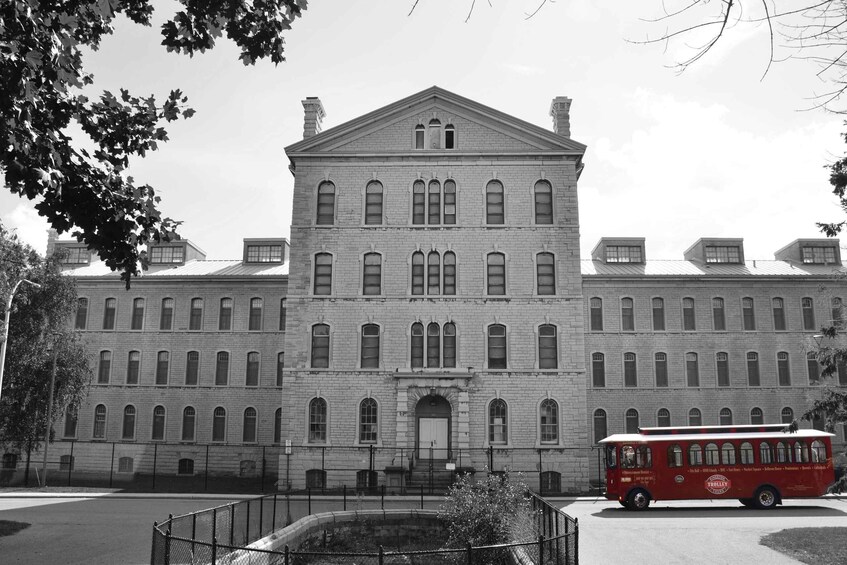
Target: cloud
{"points": [[29, 226]]}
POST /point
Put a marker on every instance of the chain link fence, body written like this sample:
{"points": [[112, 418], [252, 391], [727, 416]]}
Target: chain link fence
{"points": [[223, 535]]}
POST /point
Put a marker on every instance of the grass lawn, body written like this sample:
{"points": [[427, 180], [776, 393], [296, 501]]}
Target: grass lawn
{"points": [[818, 546], [8, 528]]}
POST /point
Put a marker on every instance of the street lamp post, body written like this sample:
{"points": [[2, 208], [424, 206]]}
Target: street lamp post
{"points": [[49, 411], [6, 327]]}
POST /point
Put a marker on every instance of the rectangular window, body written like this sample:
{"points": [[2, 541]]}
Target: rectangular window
{"points": [[808, 306], [132, 367], [718, 315], [627, 315], [264, 253], [596, 314], [778, 314], [782, 369], [496, 274], [252, 376], [753, 369], [225, 315], [282, 304], [195, 318], [598, 370], [137, 321], [164, 254], [166, 318], [497, 347], [222, 368], [162, 362], [748, 314], [433, 274], [105, 367], [820, 255], [722, 360], [661, 370], [545, 266], [320, 346], [723, 254], [370, 347], [624, 254], [81, 314], [372, 274], [688, 320], [814, 369], [192, 368], [280, 367], [76, 256], [323, 274], [255, 321], [109, 309], [547, 347], [692, 371], [658, 315], [630, 370]]}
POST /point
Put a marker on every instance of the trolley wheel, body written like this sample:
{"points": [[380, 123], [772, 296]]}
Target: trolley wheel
{"points": [[748, 502], [638, 500], [766, 498]]}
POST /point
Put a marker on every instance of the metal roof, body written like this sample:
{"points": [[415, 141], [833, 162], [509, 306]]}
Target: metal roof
{"points": [[681, 268], [639, 438], [196, 268]]}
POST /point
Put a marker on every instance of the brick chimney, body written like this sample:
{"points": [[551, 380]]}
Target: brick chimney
{"points": [[560, 111], [313, 116], [52, 236]]}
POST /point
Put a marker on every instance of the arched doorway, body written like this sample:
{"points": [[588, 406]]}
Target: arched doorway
{"points": [[432, 415]]}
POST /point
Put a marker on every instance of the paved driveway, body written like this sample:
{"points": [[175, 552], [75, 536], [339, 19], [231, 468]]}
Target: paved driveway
{"points": [[693, 532]]}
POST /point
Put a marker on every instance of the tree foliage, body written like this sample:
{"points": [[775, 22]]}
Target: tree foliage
{"points": [[485, 512], [39, 321], [42, 79]]}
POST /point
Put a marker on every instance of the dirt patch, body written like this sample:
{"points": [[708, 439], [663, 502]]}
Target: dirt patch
{"points": [[816, 546], [9, 528]]}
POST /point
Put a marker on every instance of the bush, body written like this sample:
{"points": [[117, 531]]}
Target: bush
{"points": [[486, 512]]}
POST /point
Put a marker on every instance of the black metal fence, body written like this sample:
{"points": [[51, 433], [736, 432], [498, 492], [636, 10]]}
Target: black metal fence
{"points": [[222, 534], [178, 467]]}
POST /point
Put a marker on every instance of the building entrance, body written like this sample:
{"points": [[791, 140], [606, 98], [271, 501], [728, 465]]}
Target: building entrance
{"points": [[433, 423]]}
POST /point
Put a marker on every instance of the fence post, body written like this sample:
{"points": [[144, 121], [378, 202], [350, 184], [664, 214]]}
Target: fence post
{"points": [[576, 541], [156, 534], [71, 465], [470, 554], [490, 458], [309, 496], [273, 516], [214, 549], [214, 523], [193, 531], [382, 501], [261, 514], [112, 465], [206, 471], [263, 472], [558, 541], [541, 548], [231, 523], [286, 554], [422, 497], [344, 495], [155, 454], [167, 539], [247, 524], [381, 555]]}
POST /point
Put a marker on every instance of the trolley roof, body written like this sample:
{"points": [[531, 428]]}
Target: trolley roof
{"points": [[703, 433]]}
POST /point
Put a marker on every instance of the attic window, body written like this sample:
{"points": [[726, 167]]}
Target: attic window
{"points": [[160, 255], [449, 137], [819, 254], [624, 254], [434, 134], [420, 135], [264, 253], [723, 254], [77, 256]]}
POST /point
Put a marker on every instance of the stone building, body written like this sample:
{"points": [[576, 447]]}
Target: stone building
{"points": [[434, 311]]}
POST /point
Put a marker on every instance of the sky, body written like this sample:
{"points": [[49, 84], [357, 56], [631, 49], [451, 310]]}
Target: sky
{"points": [[718, 150]]}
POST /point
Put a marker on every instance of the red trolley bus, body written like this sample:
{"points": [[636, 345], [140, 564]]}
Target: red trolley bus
{"points": [[759, 464]]}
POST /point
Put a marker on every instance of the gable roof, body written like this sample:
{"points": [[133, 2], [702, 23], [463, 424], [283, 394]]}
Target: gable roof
{"points": [[530, 133]]}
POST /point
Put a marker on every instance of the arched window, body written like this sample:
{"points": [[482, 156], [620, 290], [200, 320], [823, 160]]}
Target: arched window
{"points": [[631, 419], [496, 346], [222, 368], [753, 369], [663, 418], [434, 203], [373, 203], [722, 364], [630, 370], [658, 314], [694, 417], [185, 466], [600, 425], [596, 314], [818, 451], [280, 367], [195, 319], [674, 455], [725, 417], [104, 369], [433, 345], [787, 415], [756, 416], [498, 431], [434, 131], [728, 454], [551, 482], [420, 136], [449, 216], [417, 352], [282, 308], [320, 346], [545, 274], [317, 420], [255, 321], [548, 351], [808, 307], [449, 271], [836, 312], [71, 419], [109, 310], [188, 417], [627, 315], [248, 427], [278, 426], [158, 433], [496, 274], [783, 453], [433, 273], [418, 202], [598, 370], [692, 370], [163, 361], [323, 274], [99, 422], [549, 412], [225, 315], [133, 367], [166, 316], [494, 203], [718, 315], [778, 314], [326, 204], [449, 353], [783, 370], [370, 346], [813, 368], [688, 320], [449, 136], [81, 320], [137, 322], [252, 376], [128, 427], [543, 202], [748, 314], [192, 368], [660, 362], [372, 274], [695, 455], [219, 424], [746, 453], [368, 415], [417, 273], [765, 453], [712, 454]]}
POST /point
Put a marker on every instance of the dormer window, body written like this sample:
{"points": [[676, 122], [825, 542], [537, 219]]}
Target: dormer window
{"points": [[264, 253], [820, 255], [723, 254], [624, 254], [167, 254], [77, 256]]}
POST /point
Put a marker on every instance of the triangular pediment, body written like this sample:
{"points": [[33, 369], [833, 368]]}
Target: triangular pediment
{"points": [[478, 129]]}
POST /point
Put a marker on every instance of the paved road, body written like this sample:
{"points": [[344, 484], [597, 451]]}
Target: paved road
{"points": [[693, 532]]}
